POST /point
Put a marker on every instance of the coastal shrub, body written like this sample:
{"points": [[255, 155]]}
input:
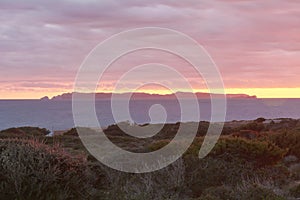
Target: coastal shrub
{"points": [[202, 128], [254, 189], [295, 170], [262, 153], [227, 130], [282, 124], [24, 132], [72, 131], [289, 140], [34, 131], [193, 148], [202, 174], [230, 160], [158, 145], [251, 193], [254, 126], [260, 120], [295, 191], [32, 170], [258, 193], [216, 177], [71, 144], [166, 183], [258, 189]]}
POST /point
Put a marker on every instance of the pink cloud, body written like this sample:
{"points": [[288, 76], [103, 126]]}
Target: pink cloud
{"points": [[254, 43]]}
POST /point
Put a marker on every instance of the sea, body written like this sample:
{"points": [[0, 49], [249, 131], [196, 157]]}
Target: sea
{"points": [[57, 115]]}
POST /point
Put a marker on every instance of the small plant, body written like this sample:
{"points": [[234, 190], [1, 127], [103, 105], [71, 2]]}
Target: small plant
{"points": [[295, 191], [257, 189]]}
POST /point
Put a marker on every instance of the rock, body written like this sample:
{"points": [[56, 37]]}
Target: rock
{"points": [[290, 159]]}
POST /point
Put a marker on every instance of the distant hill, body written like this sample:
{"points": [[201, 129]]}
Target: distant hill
{"points": [[141, 96]]}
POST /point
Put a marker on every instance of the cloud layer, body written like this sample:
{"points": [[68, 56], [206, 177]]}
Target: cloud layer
{"points": [[42, 43]]}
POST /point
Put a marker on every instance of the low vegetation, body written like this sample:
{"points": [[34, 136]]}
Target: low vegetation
{"points": [[30, 169], [255, 160]]}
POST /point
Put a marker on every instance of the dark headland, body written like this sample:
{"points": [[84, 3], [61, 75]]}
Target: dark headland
{"points": [[141, 96]]}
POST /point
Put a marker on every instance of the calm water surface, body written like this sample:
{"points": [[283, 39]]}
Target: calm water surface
{"points": [[57, 115]]}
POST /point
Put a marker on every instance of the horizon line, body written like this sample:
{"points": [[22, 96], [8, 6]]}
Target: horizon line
{"points": [[261, 93]]}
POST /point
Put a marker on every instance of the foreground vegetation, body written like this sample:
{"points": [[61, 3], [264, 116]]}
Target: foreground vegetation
{"points": [[255, 160]]}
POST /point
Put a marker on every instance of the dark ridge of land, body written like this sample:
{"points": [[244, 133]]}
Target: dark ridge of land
{"points": [[141, 96]]}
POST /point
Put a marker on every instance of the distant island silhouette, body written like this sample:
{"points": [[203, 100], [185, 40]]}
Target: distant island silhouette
{"points": [[142, 96]]}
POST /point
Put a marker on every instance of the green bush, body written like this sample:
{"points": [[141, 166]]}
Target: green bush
{"points": [[287, 140], [295, 191], [24, 132], [72, 131], [262, 153], [254, 126], [231, 159], [202, 174], [260, 120], [32, 170]]}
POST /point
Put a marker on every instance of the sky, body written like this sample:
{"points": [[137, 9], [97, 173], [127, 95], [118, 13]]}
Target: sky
{"points": [[254, 43]]}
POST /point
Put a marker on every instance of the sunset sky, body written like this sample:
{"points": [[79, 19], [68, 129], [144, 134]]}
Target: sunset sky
{"points": [[255, 44]]}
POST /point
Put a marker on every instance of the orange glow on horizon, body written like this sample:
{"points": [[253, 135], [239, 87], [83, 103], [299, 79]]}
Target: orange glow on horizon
{"points": [[267, 92], [27, 94], [259, 92]]}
